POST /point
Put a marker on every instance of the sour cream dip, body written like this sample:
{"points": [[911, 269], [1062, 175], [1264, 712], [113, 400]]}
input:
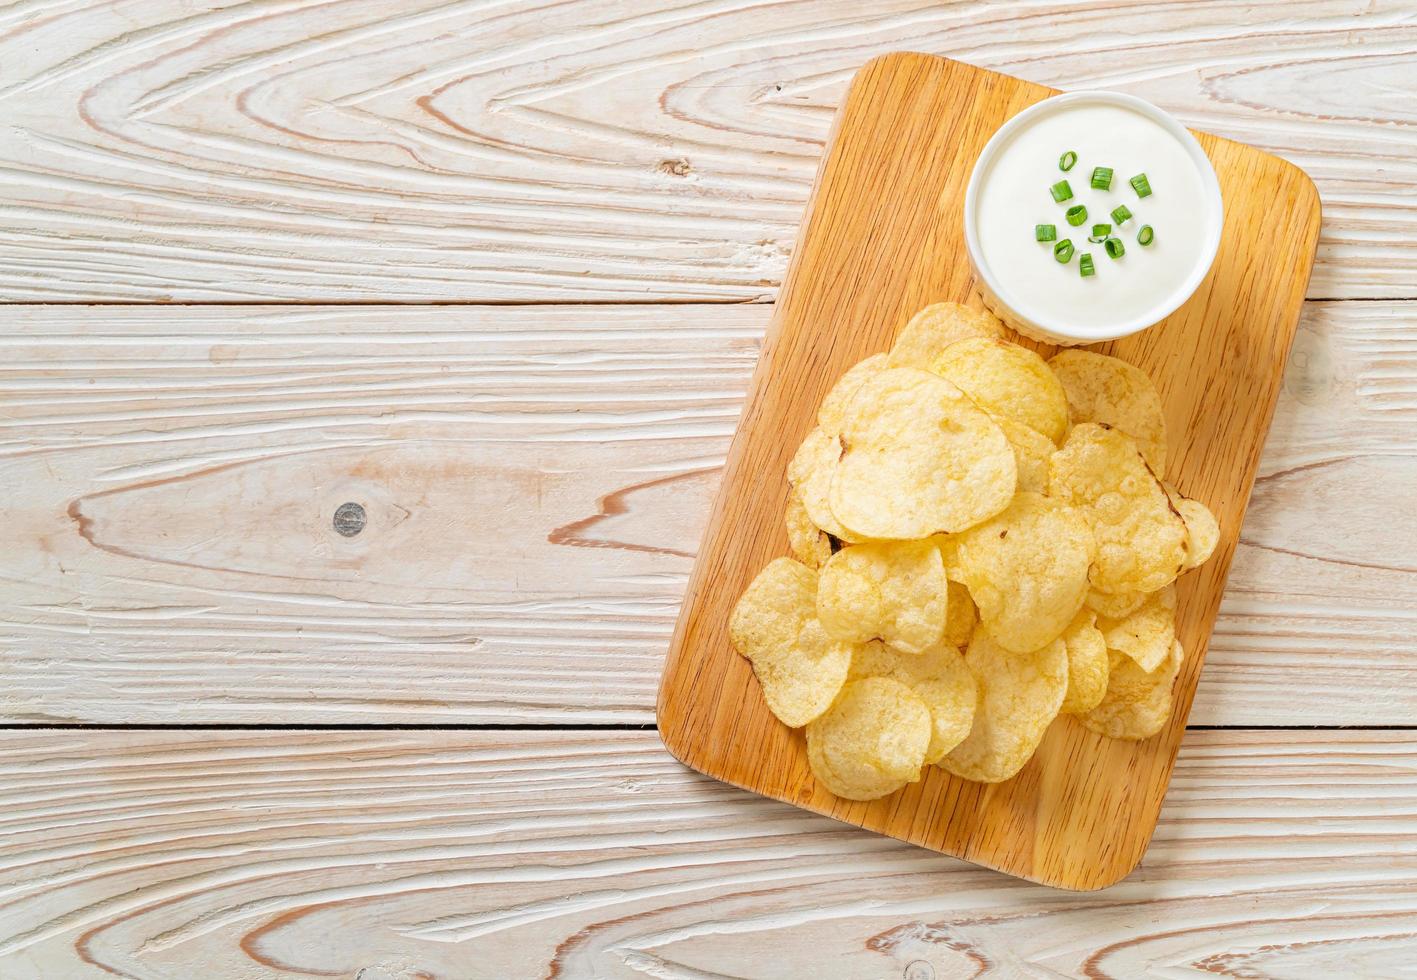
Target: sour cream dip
{"points": [[1158, 173]]}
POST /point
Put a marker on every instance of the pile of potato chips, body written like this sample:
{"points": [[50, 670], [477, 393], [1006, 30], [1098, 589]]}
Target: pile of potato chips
{"points": [[984, 540]]}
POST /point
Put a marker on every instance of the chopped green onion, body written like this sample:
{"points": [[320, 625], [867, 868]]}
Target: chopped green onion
{"points": [[1141, 185], [1044, 233], [1063, 251], [1120, 214], [1115, 248], [1099, 233], [1145, 236], [1066, 161], [1085, 268], [1076, 214], [1102, 178], [1061, 191]]}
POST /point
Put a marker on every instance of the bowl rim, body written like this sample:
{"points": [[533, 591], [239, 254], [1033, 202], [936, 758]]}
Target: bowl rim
{"points": [[1164, 307]]}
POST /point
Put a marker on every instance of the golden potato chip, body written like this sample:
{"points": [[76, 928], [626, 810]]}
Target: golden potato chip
{"points": [[1115, 606], [1106, 389], [948, 544], [938, 677], [801, 681], [919, 459], [809, 543], [1147, 634], [1026, 569], [1202, 531], [774, 625], [832, 412], [1087, 663], [936, 327], [960, 615], [774, 607], [1137, 704], [885, 590], [1007, 381], [1019, 696], [1032, 450], [810, 475], [1141, 540], [872, 741]]}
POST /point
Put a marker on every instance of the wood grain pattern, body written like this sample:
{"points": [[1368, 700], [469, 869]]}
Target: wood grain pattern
{"points": [[563, 415], [170, 485], [471, 150], [880, 240], [447, 856]]}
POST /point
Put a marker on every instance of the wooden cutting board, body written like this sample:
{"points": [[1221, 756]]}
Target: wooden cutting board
{"points": [[882, 237]]}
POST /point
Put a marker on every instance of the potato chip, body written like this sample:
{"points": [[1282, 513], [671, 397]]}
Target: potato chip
{"points": [[1202, 530], [1137, 704], [774, 607], [1007, 381], [1032, 450], [938, 677], [934, 328], [919, 459], [774, 625], [1106, 389], [810, 475], [1141, 540], [809, 543], [1115, 606], [1026, 569], [801, 681], [948, 544], [886, 590], [872, 741], [832, 413], [1019, 696], [960, 615], [1147, 634], [1087, 663]]}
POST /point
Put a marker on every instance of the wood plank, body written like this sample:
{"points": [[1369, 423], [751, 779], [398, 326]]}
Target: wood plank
{"points": [[436, 854], [174, 481], [501, 429], [436, 150], [873, 250]]}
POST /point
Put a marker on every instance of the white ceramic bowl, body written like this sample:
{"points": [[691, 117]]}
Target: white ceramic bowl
{"points": [[1038, 323]]}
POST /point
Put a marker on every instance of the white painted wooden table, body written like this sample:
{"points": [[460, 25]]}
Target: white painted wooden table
{"points": [[481, 267]]}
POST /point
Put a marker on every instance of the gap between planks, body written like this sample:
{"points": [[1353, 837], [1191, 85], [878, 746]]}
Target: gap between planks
{"points": [[153, 304], [394, 304], [551, 727]]}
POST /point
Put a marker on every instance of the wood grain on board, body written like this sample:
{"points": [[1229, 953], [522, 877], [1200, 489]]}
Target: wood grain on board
{"points": [[881, 238], [403, 855], [557, 465], [463, 150]]}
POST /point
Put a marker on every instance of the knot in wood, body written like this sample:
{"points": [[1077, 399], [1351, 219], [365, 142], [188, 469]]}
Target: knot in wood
{"points": [[349, 519]]}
